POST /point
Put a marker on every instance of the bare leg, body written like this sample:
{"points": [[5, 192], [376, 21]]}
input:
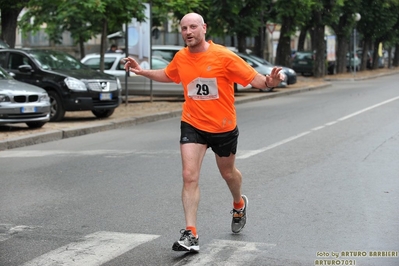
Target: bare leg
{"points": [[192, 155], [231, 175]]}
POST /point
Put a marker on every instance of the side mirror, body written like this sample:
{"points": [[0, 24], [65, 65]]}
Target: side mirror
{"points": [[25, 68]]}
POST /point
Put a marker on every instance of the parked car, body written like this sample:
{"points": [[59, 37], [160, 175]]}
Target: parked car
{"points": [[352, 62], [166, 52], [289, 72], [3, 44], [262, 69], [70, 85], [22, 103], [303, 62], [137, 85]]}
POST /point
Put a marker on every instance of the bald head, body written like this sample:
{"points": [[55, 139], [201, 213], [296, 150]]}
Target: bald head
{"points": [[193, 17]]}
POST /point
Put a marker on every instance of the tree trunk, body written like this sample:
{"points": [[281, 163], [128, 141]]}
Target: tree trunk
{"points": [[395, 61], [342, 45], [365, 48], [283, 56], [242, 44], [9, 18], [260, 42], [390, 57], [103, 43], [320, 48], [82, 47], [340, 53], [302, 38]]}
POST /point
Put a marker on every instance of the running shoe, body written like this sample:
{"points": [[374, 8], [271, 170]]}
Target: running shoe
{"points": [[187, 242], [239, 217]]}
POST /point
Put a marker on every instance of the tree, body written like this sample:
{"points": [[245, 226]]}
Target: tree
{"points": [[234, 17], [343, 27], [376, 25], [83, 19], [9, 16], [290, 18], [323, 13]]}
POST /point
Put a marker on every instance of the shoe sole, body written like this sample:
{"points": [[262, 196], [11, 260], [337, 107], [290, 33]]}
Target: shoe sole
{"points": [[177, 247]]}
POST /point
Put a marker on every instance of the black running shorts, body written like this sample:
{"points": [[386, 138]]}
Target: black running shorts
{"points": [[223, 144]]}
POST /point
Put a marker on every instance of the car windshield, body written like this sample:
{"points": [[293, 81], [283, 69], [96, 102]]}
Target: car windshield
{"points": [[4, 74], [158, 63], [3, 44], [53, 60], [94, 63], [302, 56]]}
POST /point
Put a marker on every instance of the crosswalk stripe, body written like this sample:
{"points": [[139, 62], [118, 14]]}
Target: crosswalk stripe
{"points": [[94, 249], [226, 252]]}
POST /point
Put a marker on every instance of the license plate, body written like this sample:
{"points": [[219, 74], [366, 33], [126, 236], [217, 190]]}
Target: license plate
{"points": [[105, 96], [28, 109], [302, 62]]}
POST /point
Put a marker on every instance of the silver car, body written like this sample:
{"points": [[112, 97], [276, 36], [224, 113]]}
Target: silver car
{"points": [[137, 85], [22, 103]]}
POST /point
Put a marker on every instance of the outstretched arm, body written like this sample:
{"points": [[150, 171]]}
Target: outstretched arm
{"points": [[157, 74], [268, 81]]}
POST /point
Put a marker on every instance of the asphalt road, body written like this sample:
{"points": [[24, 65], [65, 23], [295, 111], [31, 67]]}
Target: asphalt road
{"points": [[320, 170]]}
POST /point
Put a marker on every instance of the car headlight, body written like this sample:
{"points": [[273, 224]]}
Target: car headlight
{"points": [[118, 84], [75, 84], [291, 71], [44, 98], [4, 98]]}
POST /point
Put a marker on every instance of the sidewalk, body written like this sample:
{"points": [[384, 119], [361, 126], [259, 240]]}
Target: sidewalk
{"points": [[140, 110]]}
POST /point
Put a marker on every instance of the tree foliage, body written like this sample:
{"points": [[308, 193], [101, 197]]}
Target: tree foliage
{"points": [[83, 19], [378, 18], [9, 16], [241, 19], [290, 19]]}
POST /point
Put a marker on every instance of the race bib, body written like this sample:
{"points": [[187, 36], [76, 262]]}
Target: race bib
{"points": [[203, 89]]}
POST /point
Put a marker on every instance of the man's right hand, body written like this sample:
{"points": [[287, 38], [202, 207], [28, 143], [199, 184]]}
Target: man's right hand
{"points": [[132, 65]]}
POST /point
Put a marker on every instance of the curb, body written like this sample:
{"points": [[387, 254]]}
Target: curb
{"points": [[354, 78], [54, 135]]}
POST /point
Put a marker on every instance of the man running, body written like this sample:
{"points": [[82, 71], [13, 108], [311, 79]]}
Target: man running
{"points": [[207, 72]]}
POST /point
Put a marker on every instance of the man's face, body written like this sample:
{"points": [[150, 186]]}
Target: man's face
{"points": [[192, 30]]}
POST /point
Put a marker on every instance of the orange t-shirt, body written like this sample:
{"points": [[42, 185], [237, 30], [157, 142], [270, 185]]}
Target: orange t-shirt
{"points": [[208, 79]]}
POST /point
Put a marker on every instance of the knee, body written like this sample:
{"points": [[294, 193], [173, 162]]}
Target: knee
{"points": [[231, 175], [190, 177]]}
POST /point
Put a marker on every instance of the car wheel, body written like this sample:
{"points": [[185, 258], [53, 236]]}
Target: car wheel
{"points": [[57, 111], [103, 113], [35, 124]]}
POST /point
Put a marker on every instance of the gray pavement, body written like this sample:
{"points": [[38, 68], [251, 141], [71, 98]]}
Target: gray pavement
{"points": [[98, 126]]}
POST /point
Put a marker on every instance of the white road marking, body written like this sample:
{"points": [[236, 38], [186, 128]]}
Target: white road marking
{"points": [[93, 250], [247, 154], [7, 230], [226, 252]]}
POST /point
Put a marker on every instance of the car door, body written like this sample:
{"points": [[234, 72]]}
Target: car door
{"points": [[15, 61]]}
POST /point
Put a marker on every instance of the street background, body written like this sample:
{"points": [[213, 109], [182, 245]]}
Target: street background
{"points": [[320, 171]]}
